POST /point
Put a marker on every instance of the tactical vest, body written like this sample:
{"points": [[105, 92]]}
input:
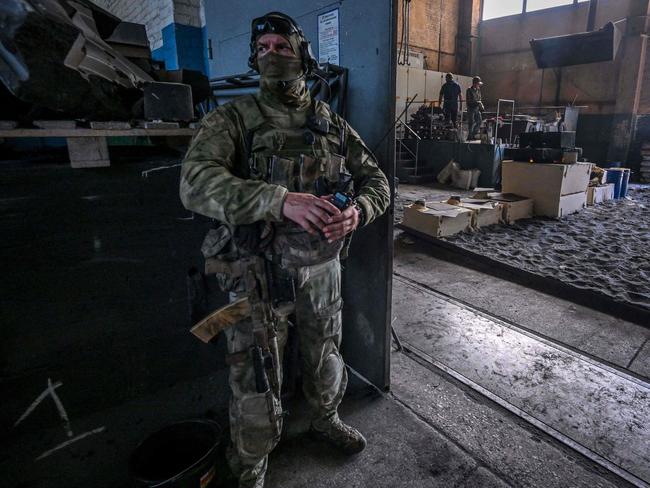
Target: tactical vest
{"points": [[295, 159]]}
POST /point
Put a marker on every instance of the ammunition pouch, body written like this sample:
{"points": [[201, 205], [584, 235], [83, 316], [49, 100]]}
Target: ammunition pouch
{"points": [[224, 246], [222, 258]]}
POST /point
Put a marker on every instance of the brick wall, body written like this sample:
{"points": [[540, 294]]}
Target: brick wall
{"points": [[425, 23], [189, 12]]}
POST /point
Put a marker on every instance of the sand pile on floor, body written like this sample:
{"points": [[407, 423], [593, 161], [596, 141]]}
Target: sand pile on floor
{"points": [[605, 248]]}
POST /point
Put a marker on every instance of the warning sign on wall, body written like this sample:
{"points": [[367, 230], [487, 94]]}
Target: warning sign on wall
{"points": [[328, 37]]}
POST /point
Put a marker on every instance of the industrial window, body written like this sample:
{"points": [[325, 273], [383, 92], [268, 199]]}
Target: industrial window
{"points": [[500, 8], [493, 9], [533, 5]]}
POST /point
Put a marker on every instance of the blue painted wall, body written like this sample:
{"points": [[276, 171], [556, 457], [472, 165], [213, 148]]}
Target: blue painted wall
{"points": [[184, 46]]}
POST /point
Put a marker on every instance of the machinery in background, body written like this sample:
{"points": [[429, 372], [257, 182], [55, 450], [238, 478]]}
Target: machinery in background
{"points": [[550, 139], [429, 123]]}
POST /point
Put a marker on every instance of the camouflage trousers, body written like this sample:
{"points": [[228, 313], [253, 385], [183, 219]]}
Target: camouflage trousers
{"points": [[318, 324]]}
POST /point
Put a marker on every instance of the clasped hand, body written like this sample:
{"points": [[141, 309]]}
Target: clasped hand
{"points": [[318, 214]]}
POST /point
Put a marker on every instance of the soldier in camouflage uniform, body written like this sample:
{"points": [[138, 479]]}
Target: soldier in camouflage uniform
{"points": [[258, 159]]}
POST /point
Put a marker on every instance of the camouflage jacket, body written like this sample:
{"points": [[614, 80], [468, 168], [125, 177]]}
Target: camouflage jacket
{"points": [[215, 178]]}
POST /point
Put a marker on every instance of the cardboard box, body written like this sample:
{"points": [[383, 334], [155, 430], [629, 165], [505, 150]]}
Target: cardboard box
{"points": [[514, 207], [437, 219], [486, 212], [546, 184], [566, 205], [600, 193]]}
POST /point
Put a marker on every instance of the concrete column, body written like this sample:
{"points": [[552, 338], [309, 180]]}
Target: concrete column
{"points": [[631, 65], [469, 16]]}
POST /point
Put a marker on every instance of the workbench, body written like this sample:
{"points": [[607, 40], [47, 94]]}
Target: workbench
{"points": [[88, 148]]}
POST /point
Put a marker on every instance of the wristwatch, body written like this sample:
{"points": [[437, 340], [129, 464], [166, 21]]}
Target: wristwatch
{"points": [[361, 212]]}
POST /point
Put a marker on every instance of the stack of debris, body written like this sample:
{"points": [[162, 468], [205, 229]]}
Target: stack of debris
{"points": [[104, 65], [429, 123], [645, 162]]}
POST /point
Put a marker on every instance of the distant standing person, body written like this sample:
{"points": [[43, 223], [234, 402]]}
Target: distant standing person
{"points": [[451, 93], [474, 107]]}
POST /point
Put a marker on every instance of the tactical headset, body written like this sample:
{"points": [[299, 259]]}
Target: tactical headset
{"points": [[279, 23]]}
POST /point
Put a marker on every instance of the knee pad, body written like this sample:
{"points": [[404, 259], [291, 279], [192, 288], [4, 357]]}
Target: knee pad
{"points": [[252, 432]]}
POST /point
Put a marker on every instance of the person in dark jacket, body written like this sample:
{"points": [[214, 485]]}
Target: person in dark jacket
{"points": [[451, 93]]}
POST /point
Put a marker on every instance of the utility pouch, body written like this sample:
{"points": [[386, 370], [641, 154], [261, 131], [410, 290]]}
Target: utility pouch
{"points": [[280, 171], [309, 172], [335, 166], [215, 241]]}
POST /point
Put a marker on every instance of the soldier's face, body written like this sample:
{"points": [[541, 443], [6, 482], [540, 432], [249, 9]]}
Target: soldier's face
{"points": [[274, 43]]}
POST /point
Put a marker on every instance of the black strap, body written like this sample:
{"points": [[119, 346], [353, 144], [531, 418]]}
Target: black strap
{"points": [[248, 145]]}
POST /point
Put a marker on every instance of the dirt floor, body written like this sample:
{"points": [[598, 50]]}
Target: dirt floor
{"points": [[603, 249]]}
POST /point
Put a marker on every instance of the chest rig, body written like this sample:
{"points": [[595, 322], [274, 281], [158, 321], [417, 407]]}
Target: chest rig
{"points": [[306, 159]]}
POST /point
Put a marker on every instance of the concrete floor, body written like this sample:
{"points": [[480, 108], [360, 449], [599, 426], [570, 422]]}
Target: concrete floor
{"points": [[435, 430], [431, 430]]}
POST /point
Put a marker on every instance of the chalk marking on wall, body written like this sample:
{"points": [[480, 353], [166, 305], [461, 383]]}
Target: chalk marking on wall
{"points": [[60, 408], [145, 174], [48, 391], [71, 441], [51, 391]]}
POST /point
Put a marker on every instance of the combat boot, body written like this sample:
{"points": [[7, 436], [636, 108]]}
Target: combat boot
{"points": [[245, 476], [342, 436]]}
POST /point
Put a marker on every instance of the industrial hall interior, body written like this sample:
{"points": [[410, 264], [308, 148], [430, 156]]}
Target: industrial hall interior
{"points": [[325, 243]]}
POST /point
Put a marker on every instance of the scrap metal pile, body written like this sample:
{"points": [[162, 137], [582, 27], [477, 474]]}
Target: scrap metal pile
{"points": [[429, 123], [71, 59]]}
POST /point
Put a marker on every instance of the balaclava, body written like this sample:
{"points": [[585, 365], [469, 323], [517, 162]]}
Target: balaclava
{"points": [[282, 78]]}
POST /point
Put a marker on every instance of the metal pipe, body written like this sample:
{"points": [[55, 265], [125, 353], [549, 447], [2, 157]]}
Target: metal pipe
{"points": [[440, 37]]}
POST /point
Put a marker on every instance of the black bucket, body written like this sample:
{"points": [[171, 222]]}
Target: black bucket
{"points": [[180, 455]]}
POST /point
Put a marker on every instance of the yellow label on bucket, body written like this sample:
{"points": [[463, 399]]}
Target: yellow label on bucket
{"points": [[206, 478]]}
